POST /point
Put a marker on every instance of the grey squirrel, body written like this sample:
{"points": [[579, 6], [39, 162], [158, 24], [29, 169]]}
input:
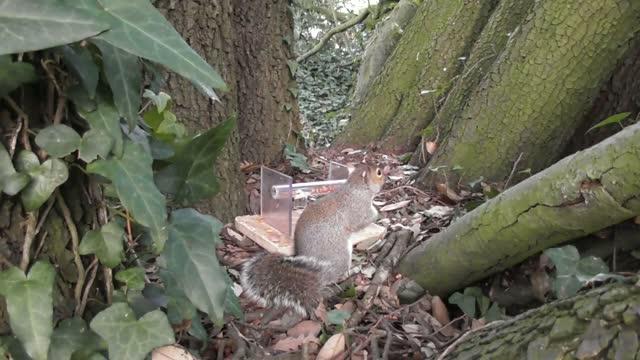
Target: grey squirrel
{"points": [[322, 249]]}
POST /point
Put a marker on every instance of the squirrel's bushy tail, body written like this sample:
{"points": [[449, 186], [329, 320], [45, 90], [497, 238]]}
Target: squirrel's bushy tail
{"points": [[291, 282]]}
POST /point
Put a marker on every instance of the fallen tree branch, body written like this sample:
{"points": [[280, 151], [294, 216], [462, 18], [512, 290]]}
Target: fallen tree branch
{"points": [[336, 30], [577, 196], [402, 238]]}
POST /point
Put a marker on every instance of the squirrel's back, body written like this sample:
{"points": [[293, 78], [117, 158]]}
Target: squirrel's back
{"points": [[293, 282]]}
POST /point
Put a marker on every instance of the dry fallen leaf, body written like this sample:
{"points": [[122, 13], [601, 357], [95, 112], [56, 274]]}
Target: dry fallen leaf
{"points": [[439, 310], [293, 343], [305, 328], [431, 147], [395, 206], [332, 348], [171, 352], [448, 192]]}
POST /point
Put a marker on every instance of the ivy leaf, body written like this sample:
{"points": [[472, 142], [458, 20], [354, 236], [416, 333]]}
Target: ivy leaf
{"points": [[73, 336], [565, 259], [30, 306], [132, 277], [494, 313], [161, 100], [613, 119], [179, 308], [133, 179], [298, 161], [14, 74], [467, 303], [95, 142], [590, 266], [8, 172], [106, 118], [337, 317], [27, 161], [124, 75], [15, 182], [190, 258], [106, 243], [29, 25], [45, 178], [129, 338], [190, 176], [80, 61], [138, 28], [565, 286], [58, 140]]}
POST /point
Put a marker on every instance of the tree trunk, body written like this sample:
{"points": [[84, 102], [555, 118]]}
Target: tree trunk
{"points": [[504, 22], [245, 42], [381, 45], [268, 110], [600, 324], [425, 62], [534, 97], [577, 196]]}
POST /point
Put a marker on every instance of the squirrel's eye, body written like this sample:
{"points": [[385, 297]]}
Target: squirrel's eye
{"points": [[378, 172]]}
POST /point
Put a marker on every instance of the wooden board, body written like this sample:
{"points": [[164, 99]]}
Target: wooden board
{"points": [[272, 240]]}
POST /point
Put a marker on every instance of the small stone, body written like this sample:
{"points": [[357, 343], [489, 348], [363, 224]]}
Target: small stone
{"points": [[596, 339], [626, 345]]}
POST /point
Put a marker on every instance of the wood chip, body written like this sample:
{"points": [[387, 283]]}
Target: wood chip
{"points": [[395, 206]]}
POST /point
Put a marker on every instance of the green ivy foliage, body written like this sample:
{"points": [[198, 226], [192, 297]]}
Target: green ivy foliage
{"points": [[138, 150]]}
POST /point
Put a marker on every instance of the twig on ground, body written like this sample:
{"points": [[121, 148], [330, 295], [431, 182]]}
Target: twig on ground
{"points": [[13, 141], [25, 122], [29, 235], [241, 347], [513, 170], [93, 267], [384, 270], [387, 342], [75, 241], [62, 102]]}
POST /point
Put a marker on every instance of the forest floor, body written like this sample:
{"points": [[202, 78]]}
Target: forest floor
{"points": [[366, 318]]}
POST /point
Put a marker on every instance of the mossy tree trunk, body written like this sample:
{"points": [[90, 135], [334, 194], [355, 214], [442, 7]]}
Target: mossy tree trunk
{"points": [[246, 41], [402, 99], [600, 324], [577, 196], [537, 93]]}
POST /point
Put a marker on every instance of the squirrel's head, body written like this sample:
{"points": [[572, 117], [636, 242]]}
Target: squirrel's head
{"points": [[372, 176]]}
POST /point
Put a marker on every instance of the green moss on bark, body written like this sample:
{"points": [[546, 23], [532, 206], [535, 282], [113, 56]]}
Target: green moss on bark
{"points": [[427, 58], [575, 197], [560, 330], [538, 91]]}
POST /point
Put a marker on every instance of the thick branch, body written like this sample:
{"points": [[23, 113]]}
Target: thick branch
{"points": [[577, 196], [336, 30]]}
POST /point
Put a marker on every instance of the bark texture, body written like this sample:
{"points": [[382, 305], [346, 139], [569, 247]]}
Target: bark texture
{"points": [[245, 41], [600, 324], [403, 98], [577, 196], [535, 96], [381, 45], [500, 30], [268, 112]]}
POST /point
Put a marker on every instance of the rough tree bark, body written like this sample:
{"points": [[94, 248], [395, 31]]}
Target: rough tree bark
{"points": [[535, 96], [577, 196], [246, 42], [504, 22], [381, 45], [600, 324], [425, 61]]}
